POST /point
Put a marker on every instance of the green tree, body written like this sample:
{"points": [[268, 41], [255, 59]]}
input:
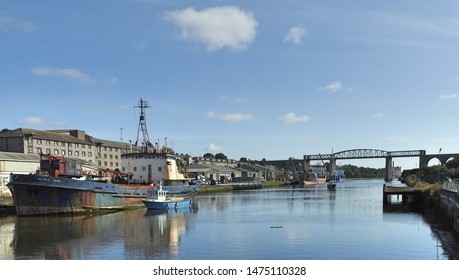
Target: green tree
{"points": [[208, 155], [220, 156]]}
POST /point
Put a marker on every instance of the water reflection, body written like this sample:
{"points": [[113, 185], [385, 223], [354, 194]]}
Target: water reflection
{"points": [[278, 223], [139, 234]]}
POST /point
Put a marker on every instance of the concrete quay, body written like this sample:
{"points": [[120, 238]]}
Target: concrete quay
{"points": [[448, 206]]}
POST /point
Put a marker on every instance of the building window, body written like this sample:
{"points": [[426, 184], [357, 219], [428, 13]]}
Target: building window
{"points": [[63, 144], [70, 145], [56, 143], [144, 169], [63, 152], [83, 154], [56, 151], [160, 169], [30, 150], [39, 150], [77, 153], [70, 153], [48, 151], [39, 141], [48, 142], [135, 169], [89, 154], [83, 146]]}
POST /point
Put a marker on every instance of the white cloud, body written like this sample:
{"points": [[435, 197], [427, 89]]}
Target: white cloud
{"points": [[296, 35], [216, 27], [70, 73], [332, 87], [37, 121], [293, 118], [449, 96], [213, 148], [236, 117], [9, 23]]}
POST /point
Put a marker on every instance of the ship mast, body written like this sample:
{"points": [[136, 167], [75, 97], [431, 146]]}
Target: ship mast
{"points": [[143, 126]]}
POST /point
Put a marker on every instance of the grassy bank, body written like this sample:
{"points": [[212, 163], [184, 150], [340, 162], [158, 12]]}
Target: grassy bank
{"points": [[429, 190]]}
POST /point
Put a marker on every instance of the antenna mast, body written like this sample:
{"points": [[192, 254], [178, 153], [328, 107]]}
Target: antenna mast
{"points": [[143, 125]]}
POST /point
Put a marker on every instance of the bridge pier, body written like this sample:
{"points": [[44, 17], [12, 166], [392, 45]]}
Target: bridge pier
{"points": [[389, 170]]}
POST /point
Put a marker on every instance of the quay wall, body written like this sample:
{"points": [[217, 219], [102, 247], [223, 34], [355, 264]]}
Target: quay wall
{"points": [[448, 205]]}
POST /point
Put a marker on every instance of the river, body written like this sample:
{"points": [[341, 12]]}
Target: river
{"points": [[283, 223]]}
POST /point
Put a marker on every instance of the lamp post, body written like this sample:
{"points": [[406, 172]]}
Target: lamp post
{"points": [[439, 165]]}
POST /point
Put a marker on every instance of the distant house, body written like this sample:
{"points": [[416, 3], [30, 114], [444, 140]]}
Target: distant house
{"points": [[253, 172], [219, 173]]}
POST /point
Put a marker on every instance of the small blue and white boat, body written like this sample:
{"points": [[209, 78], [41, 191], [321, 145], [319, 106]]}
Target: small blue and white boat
{"points": [[162, 199]]}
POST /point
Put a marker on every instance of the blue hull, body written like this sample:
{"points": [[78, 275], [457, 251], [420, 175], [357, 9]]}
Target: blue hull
{"points": [[34, 194], [151, 204]]}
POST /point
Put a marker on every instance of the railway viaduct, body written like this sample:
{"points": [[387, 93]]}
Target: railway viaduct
{"points": [[370, 154]]}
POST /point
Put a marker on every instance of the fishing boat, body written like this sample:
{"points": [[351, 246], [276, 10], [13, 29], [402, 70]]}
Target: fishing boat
{"points": [[162, 199], [312, 178], [331, 183], [60, 186]]}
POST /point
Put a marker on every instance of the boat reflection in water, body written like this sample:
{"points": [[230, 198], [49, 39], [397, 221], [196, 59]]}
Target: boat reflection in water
{"points": [[140, 234]]}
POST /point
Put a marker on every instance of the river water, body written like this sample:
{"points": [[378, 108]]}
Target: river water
{"points": [[285, 223]]}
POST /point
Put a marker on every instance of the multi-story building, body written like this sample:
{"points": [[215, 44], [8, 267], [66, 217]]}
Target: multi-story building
{"points": [[75, 143]]}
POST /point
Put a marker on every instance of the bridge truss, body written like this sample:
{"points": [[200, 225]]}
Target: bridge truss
{"points": [[365, 153]]}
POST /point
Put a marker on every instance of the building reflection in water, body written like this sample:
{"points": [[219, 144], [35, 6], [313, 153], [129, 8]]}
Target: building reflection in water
{"points": [[136, 234]]}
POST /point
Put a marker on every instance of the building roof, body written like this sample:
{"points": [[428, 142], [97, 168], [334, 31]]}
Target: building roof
{"points": [[7, 156], [253, 168], [44, 135], [62, 135], [196, 167]]}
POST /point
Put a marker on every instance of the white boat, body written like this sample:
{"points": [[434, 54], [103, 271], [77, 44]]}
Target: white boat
{"points": [[163, 199], [312, 178]]}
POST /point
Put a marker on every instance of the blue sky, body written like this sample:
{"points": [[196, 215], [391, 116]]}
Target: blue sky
{"points": [[256, 79]]}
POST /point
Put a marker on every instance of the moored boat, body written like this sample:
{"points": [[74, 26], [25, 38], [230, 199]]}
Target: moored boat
{"points": [[162, 199], [331, 185], [61, 187], [313, 178]]}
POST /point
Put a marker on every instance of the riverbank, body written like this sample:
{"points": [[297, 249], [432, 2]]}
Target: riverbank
{"points": [[208, 189]]}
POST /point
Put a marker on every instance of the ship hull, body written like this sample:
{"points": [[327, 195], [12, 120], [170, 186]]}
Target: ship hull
{"points": [[40, 195], [155, 205]]}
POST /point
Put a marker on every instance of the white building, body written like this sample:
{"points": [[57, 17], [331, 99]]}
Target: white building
{"points": [[153, 168], [15, 163]]}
